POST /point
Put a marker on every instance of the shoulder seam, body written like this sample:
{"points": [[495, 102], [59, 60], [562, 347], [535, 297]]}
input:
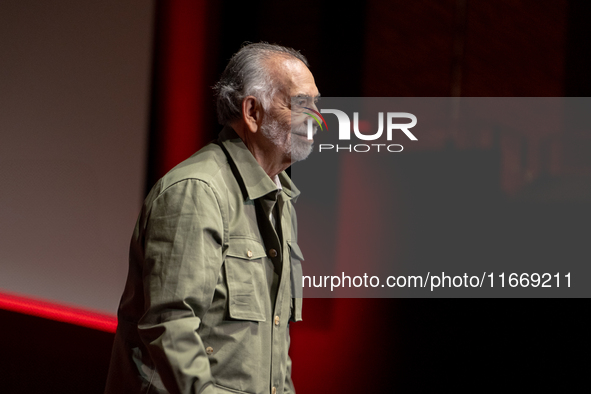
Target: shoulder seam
{"points": [[215, 193]]}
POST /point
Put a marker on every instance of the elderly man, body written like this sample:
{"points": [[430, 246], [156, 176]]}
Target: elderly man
{"points": [[214, 267]]}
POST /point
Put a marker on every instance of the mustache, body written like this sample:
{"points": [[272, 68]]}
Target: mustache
{"points": [[302, 129]]}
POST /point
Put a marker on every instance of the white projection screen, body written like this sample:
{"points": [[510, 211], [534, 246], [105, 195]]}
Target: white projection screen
{"points": [[74, 100]]}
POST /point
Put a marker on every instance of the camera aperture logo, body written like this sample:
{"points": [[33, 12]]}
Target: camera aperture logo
{"points": [[316, 119], [345, 130]]}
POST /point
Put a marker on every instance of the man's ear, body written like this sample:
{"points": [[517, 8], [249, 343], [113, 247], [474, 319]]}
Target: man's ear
{"points": [[251, 113]]}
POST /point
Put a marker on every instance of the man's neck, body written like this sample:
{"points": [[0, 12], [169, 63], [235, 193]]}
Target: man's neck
{"points": [[264, 152]]}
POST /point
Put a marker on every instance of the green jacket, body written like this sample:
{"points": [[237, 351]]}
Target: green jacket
{"points": [[214, 280]]}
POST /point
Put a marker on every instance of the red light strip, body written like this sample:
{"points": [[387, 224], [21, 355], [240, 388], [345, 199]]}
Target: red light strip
{"points": [[53, 311]]}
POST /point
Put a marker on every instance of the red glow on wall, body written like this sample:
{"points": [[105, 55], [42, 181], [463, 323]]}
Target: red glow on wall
{"points": [[54, 311], [180, 63]]}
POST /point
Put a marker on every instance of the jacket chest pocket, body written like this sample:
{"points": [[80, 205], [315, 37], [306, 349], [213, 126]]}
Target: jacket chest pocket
{"points": [[296, 257], [246, 278]]}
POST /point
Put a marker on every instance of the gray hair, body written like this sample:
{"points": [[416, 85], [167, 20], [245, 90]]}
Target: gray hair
{"points": [[247, 75]]}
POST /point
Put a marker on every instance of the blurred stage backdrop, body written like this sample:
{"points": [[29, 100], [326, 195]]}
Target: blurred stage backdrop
{"points": [[98, 99]]}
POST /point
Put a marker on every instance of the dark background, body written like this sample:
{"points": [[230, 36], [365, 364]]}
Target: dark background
{"points": [[389, 49]]}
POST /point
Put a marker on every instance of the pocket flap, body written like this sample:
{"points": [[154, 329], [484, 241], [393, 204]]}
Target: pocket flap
{"points": [[295, 250], [296, 281], [245, 248]]}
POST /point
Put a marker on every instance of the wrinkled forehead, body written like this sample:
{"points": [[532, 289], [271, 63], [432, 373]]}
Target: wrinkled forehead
{"points": [[293, 77]]}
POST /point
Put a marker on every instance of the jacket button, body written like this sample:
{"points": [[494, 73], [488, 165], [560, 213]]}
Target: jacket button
{"points": [[272, 253], [249, 253], [209, 350], [276, 320]]}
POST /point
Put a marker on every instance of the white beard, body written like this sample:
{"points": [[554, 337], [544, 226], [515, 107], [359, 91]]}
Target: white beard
{"points": [[278, 133]]}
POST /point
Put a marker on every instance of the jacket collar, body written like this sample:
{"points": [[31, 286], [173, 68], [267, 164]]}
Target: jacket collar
{"points": [[255, 180]]}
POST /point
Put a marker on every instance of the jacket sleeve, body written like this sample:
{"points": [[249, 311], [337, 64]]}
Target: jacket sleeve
{"points": [[182, 259]]}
